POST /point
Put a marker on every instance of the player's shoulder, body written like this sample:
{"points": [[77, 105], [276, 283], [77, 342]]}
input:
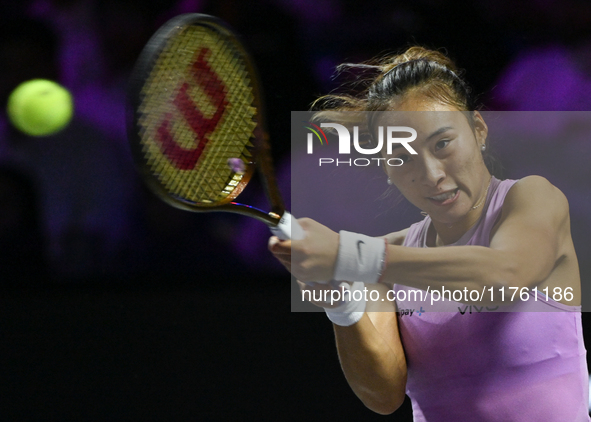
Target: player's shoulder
{"points": [[535, 182], [536, 192], [535, 186]]}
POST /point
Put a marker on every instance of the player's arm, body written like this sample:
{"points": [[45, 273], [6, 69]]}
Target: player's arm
{"points": [[396, 238], [373, 361], [523, 251], [371, 353], [313, 259], [527, 245]]}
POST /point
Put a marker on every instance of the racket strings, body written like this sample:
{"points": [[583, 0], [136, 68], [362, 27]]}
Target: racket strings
{"points": [[197, 112]]}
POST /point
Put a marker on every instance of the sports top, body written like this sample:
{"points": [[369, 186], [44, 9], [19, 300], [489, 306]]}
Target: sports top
{"points": [[524, 362]]}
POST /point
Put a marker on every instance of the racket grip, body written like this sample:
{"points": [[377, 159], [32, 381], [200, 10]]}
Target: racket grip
{"points": [[288, 228]]}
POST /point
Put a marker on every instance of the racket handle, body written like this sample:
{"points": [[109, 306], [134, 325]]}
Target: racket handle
{"points": [[288, 228]]}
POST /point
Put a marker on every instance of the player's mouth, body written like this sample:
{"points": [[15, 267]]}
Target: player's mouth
{"points": [[445, 198]]}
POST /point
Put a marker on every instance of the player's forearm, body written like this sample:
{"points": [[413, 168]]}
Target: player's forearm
{"points": [[374, 370], [458, 267]]}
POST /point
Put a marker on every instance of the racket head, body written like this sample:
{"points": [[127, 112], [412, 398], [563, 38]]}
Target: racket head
{"points": [[195, 114]]}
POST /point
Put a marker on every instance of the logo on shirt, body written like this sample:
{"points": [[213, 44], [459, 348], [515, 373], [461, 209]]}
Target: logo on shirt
{"points": [[409, 312], [476, 309]]}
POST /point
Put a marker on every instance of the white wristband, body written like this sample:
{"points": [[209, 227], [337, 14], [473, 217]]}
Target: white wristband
{"points": [[360, 258], [350, 310]]}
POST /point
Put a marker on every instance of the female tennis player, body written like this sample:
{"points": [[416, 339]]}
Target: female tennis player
{"points": [[513, 357]]}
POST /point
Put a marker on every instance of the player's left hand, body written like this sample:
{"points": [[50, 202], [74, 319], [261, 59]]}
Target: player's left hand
{"points": [[322, 290]]}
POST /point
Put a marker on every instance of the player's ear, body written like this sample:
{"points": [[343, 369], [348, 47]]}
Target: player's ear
{"points": [[480, 128]]}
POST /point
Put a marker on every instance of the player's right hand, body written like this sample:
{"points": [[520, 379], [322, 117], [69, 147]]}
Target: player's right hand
{"points": [[311, 259]]}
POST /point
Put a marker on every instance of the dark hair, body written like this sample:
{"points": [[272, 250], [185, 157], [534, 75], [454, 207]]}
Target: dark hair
{"points": [[417, 70]]}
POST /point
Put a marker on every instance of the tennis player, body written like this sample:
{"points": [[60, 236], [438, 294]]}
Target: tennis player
{"points": [[519, 358]]}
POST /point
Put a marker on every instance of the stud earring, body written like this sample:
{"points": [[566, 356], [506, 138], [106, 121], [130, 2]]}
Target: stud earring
{"points": [[483, 148]]}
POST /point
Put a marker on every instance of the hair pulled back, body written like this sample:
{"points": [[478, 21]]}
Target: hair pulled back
{"points": [[418, 70]]}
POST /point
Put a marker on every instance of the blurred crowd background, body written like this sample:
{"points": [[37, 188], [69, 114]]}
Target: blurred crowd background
{"points": [[73, 211], [73, 207]]}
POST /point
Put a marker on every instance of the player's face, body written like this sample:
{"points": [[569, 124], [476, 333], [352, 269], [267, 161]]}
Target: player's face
{"points": [[447, 176]]}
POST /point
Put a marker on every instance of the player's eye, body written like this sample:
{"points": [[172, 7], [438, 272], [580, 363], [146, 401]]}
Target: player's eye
{"points": [[442, 144], [404, 158]]}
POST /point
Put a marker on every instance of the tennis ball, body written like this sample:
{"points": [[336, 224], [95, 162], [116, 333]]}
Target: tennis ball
{"points": [[40, 107]]}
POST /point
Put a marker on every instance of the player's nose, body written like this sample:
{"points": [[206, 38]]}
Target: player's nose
{"points": [[433, 172]]}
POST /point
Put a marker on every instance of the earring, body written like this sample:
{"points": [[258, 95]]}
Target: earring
{"points": [[389, 181], [483, 148]]}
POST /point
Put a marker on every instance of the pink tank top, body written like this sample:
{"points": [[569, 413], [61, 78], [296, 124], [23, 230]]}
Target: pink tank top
{"points": [[524, 362]]}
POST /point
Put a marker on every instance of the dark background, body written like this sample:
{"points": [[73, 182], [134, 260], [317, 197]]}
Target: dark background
{"points": [[114, 306]]}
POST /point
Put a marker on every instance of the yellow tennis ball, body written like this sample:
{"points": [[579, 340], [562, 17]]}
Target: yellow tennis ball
{"points": [[40, 107]]}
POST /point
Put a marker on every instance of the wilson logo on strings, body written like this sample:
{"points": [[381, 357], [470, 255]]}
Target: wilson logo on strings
{"points": [[208, 80]]}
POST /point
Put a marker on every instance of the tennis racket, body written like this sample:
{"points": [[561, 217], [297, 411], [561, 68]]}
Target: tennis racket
{"points": [[196, 125]]}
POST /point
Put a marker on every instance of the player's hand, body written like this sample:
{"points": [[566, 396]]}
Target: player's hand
{"points": [[311, 259]]}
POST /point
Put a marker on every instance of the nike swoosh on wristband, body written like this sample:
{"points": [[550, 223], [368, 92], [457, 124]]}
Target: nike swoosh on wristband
{"points": [[359, 242]]}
